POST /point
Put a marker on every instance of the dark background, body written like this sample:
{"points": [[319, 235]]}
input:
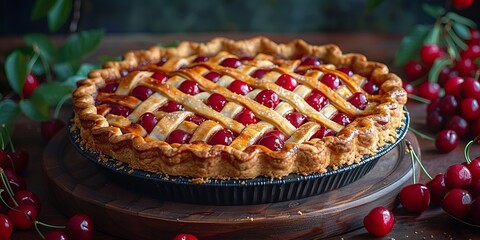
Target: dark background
{"points": [[190, 16]]}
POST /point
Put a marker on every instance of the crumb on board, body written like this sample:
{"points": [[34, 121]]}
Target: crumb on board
{"points": [[300, 213]]}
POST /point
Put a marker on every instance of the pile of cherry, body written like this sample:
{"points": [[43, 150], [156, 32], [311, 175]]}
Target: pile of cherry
{"points": [[20, 208], [457, 191]]}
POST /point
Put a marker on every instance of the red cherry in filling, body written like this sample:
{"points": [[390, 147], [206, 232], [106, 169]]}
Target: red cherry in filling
{"points": [[458, 176], [141, 92], [379, 221], [457, 203], [231, 62], [200, 59], [346, 70], [185, 236], [342, 119], [23, 216], [428, 90], [259, 73], [109, 87], [216, 101], [162, 61], [172, 106], [359, 100], [371, 88], [316, 100], [49, 128], [274, 140], [148, 121], [246, 117], [221, 137], [310, 61], [160, 76], [212, 76], [31, 83], [178, 136], [189, 87], [6, 227], [268, 98], [286, 81], [437, 188], [195, 119], [239, 87], [79, 227], [323, 132], [415, 198], [331, 80], [296, 118], [470, 87], [120, 110], [470, 108]]}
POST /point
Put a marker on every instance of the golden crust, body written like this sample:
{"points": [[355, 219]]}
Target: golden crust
{"points": [[199, 160]]}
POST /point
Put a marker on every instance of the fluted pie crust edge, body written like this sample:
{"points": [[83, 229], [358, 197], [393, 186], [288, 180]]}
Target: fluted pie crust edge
{"points": [[199, 160]]}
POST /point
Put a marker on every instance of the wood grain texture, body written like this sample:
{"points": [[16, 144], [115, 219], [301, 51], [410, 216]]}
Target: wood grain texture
{"points": [[77, 185]]}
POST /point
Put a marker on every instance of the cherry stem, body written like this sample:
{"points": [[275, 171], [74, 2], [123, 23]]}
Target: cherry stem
{"points": [[412, 158], [466, 151], [45, 64], [36, 223], [60, 104], [418, 98], [9, 139], [415, 156], [33, 59], [9, 189], [422, 135]]}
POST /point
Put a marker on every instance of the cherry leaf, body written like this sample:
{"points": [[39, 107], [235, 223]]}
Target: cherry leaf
{"points": [[53, 92], [410, 45], [461, 30], [438, 65], [16, 69], [46, 49], [35, 107], [9, 110], [58, 14], [433, 11], [461, 19], [79, 45], [63, 70], [41, 8]]}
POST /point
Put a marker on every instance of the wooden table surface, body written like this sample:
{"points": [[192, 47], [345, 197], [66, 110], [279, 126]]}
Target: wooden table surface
{"points": [[432, 224]]}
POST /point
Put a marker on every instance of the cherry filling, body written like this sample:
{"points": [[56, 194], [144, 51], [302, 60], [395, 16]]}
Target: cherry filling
{"points": [[296, 119], [371, 87], [331, 80], [259, 73], [201, 59], [246, 117], [195, 119], [346, 70], [148, 121], [274, 140], [239, 87], [246, 59], [141, 92], [110, 87], [268, 98], [316, 100], [162, 61], [178, 136], [216, 101], [212, 76], [189, 87], [359, 100], [160, 76], [172, 106], [310, 61], [323, 132], [342, 119], [222, 137], [286, 81], [120, 110], [231, 62]]}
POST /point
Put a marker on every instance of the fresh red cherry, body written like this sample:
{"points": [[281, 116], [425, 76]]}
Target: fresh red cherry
{"points": [[457, 203], [474, 168], [189, 87], [141, 92], [160, 77], [435, 121], [6, 227], [268, 98], [359, 100], [458, 176], [470, 88], [415, 198], [429, 53], [414, 70], [437, 189], [239, 87], [148, 121], [216, 101], [428, 90], [178, 136], [79, 227], [200, 59], [212, 76], [459, 125], [310, 61], [346, 70], [475, 189], [434, 105], [372, 88], [452, 86], [109, 87], [475, 127], [4, 159], [379, 221], [342, 119], [287, 82], [445, 74], [195, 119], [16, 182], [120, 110], [55, 235], [221, 137], [331, 80], [49, 128], [19, 160], [259, 73], [296, 118], [31, 83], [316, 100], [172, 106], [465, 66], [25, 197], [448, 105], [231, 62], [23, 216], [474, 37], [461, 4], [185, 236], [246, 117], [323, 132], [470, 108], [408, 88], [274, 140], [475, 211]]}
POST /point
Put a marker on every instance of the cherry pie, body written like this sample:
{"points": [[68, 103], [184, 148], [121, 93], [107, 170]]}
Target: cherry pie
{"points": [[239, 109]]}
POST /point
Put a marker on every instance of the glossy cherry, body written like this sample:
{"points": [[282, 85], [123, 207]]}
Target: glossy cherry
{"points": [[296, 118], [246, 117], [287, 82], [239, 87], [161, 77], [474, 168], [331, 80], [359, 100], [200, 59], [185, 236], [259, 73], [470, 88], [346, 70], [212, 76], [457, 203], [109, 87], [172, 106], [458, 176], [435, 121], [461, 4], [56, 235], [470, 108], [23, 216], [408, 88], [120, 110], [268, 98], [474, 37], [445, 74], [342, 119], [414, 70], [465, 66], [452, 86], [162, 61], [148, 121], [371, 88], [323, 132], [4, 158], [459, 125], [221, 137], [448, 105], [446, 141], [415, 198], [475, 127], [428, 90], [317, 100], [216, 101], [379, 221], [231, 62], [429, 53], [19, 160], [79, 227], [141, 92], [6, 227], [274, 140], [195, 119], [25, 197], [31, 83], [437, 189], [189, 87], [49, 128], [310, 61], [178, 136], [16, 182]]}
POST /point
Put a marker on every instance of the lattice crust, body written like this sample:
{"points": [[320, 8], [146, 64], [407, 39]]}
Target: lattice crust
{"points": [[303, 151]]}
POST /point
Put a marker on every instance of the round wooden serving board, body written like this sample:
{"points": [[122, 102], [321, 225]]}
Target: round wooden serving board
{"points": [[77, 185]]}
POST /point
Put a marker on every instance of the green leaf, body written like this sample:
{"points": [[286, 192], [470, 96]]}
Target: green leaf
{"points": [[85, 69], [45, 46], [461, 19], [71, 82], [63, 70], [433, 11], [16, 70], [461, 30], [80, 44], [410, 45], [438, 65], [35, 107], [58, 14], [451, 47], [373, 4], [461, 44], [52, 92], [169, 45], [41, 8], [104, 59], [9, 110], [433, 36]]}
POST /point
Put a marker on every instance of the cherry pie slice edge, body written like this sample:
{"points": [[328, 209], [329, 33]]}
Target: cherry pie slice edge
{"points": [[369, 130]]}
